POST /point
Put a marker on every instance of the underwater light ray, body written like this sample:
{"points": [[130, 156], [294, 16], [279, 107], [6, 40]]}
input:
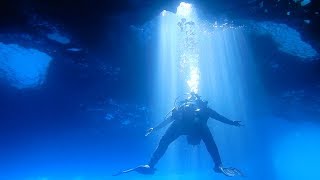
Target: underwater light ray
{"points": [[191, 60]]}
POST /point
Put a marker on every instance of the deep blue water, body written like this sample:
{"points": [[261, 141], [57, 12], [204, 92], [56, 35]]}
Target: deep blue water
{"points": [[80, 83]]}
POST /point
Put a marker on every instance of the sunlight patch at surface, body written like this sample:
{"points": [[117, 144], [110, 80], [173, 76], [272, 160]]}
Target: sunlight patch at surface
{"points": [[184, 9]]}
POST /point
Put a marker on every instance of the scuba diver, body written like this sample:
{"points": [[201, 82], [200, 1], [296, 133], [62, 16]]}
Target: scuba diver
{"points": [[189, 118]]}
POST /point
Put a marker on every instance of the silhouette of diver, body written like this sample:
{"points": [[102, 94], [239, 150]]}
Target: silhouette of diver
{"points": [[189, 118]]}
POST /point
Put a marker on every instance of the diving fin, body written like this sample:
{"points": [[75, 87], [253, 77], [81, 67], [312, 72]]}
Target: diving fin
{"points": [[229, 171], [143, 169]]}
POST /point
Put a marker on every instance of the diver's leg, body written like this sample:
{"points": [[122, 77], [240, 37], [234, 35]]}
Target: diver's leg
{"points": [[214, 153], [171, 134], [211, 146]]}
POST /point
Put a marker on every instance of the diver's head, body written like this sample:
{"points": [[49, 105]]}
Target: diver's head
{"points": [[196, 99], [192, 99]]}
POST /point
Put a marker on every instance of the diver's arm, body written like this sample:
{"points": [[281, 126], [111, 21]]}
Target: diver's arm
{"points": [[164, 123], [213, 114]]}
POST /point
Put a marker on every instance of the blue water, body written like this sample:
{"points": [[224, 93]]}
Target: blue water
{"points": [[78, 109]]}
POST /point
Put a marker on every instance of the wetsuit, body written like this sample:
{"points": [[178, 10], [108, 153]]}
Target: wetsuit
{"points": [[190, 120]]}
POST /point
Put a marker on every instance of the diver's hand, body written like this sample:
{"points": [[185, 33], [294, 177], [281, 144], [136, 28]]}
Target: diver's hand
{"points": [[149, 131], [237, 123]]}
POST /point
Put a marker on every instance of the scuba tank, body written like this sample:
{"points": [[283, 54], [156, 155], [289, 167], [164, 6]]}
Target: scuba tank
{"points": [[187, 110]]}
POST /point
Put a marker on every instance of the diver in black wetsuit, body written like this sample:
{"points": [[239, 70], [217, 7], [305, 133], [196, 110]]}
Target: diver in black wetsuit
{"points": [[190, 118]]}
